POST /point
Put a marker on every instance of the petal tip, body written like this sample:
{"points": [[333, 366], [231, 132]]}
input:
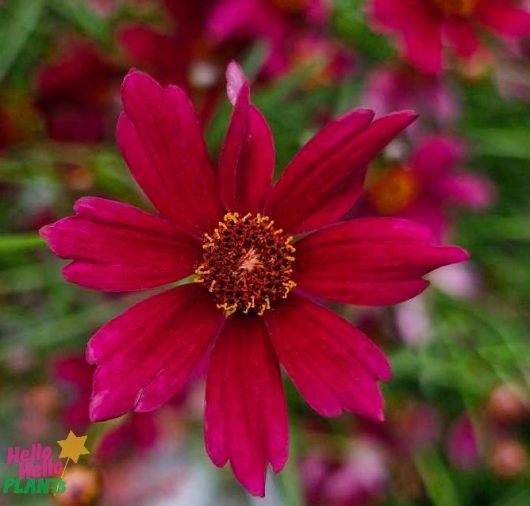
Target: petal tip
{"points": [[45, 232], [456, 255], [136, 78]]}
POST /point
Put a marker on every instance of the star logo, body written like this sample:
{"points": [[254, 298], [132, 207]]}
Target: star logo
{"points": [[73, 447]]}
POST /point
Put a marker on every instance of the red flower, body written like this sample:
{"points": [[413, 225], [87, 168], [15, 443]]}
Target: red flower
{"points": [[74, 94], [424, 27], [254, 299]]}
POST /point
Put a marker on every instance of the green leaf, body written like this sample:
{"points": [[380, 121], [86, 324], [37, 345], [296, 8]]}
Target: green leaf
{"points": [[80, 14], [18, 19], [502, 142], [437, 480]]}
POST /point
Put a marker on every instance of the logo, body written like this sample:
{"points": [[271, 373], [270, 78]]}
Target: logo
{"points": [[37, 472]]}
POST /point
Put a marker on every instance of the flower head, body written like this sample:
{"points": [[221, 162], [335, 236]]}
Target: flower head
{"points": [[261, 257], [429, 184], [425, 27]]}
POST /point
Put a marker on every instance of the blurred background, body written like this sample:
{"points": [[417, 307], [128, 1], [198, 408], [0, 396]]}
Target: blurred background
{"points": [[458, 407]]}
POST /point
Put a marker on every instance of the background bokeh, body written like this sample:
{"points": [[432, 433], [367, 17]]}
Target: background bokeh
{"points": [[458, 407]]}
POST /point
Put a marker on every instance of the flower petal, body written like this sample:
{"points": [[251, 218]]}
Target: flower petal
{"points": [[504, 19], [461, 36], [165, 334], [117, 247], [161, 141], [417, 27], [246, 416], [470, 190], [246, 163], [437, 155], [422, 45], [325, 178], [333, 365], [370, 261]]}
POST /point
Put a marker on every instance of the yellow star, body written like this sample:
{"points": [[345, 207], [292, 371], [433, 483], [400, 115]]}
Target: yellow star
{"points": [[72, 447]]}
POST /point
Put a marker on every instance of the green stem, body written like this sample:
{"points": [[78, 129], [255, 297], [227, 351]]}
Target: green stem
{"points": [[18, 242]]}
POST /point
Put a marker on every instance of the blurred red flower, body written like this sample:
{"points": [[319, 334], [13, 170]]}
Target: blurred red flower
{"points": [[74, 93], [424, 28], [252, 301]]}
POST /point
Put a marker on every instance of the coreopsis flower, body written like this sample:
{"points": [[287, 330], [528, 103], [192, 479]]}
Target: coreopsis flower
{"points": [[424, 28], [258, 259], [75, 92], [427, 186]]}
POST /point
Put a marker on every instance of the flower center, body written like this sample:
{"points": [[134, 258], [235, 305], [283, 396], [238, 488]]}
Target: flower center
{"points": [[246, 264], [462, 8], [394, 191]]}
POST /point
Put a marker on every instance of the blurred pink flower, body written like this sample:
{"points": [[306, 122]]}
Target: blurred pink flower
{"points": [[74, 94], [462, 282], [463, 445], [391, 88], [429, 184], [218, 225], [137, 434], [425, 28], [277, 22], [413, 321], [359, 479]]}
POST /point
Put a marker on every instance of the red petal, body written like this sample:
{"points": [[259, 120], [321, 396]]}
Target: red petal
{"points": [[246, 416], [461, 36], [418, 28], [370, 261], [246, 163], [165, 334], [437, 156], [117, 247], [161, 141], [422, 44], [333, 365], [325, 178], [504, 19]]}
